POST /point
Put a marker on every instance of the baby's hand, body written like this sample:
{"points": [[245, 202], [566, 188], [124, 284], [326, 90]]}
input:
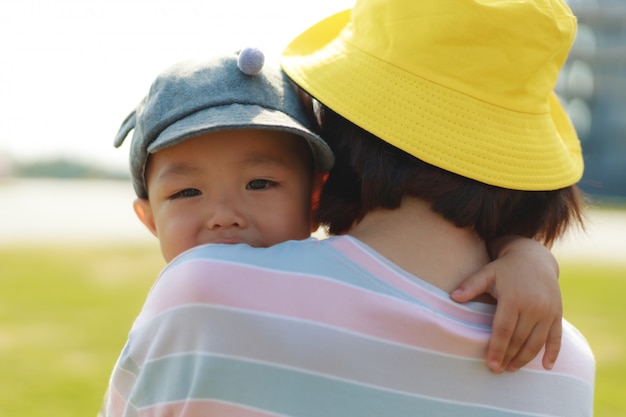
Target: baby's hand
{"points": [[524, 281]]}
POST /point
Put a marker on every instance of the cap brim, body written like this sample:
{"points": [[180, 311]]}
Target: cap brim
{"points": [[241, 116]]}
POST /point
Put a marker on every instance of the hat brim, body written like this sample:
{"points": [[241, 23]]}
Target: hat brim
{"points": [[241, 116], [438, 125]]}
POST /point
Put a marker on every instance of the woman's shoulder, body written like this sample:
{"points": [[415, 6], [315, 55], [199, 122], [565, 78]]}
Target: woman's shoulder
{"points": [[576, 355], [219, 273], [299, 252]]}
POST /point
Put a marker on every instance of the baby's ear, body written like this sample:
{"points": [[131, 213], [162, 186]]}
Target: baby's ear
{"points": [[319, 178], [144, 213]]}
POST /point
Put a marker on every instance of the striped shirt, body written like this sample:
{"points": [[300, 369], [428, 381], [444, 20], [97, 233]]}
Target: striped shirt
{"points": [[322, 329]]}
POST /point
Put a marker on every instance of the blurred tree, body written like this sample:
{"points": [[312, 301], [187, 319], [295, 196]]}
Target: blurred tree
{"points": [[63, 168]]}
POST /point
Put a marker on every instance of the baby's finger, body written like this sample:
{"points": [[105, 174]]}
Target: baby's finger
{"points": [[531, 345], [516, 353], [478, 283], [504, 325], [553, 344]]}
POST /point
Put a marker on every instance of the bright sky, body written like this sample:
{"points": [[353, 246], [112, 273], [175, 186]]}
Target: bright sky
{"points": [[71, 70]]}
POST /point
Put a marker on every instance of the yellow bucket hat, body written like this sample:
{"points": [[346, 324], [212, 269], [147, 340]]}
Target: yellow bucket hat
{"points": [[465, 85]]}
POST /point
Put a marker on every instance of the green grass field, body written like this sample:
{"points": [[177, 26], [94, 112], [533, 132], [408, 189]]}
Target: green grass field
{"points": [[65, 312]]}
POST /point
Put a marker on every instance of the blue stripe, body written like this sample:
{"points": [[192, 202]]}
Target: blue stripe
{"points": [[285, 391]]}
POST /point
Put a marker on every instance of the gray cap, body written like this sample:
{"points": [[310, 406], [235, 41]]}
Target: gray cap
{"points": [[197, 97]]}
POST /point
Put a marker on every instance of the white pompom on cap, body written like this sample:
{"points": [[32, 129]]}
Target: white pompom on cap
{"points": [[251, 61]]}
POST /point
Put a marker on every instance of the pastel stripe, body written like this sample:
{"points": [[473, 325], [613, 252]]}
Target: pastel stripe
{"points": [[117, 404], [202, 408]]}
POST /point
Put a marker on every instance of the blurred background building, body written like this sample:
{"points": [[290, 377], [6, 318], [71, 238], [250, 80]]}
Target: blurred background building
{"points": [[592, 86]]}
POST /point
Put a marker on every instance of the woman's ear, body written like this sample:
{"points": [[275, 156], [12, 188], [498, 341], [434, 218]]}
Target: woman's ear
{"points": [[319, 178], [144, 213]]}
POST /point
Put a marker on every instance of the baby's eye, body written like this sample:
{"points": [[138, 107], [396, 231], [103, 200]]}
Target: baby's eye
{"points": [[260, 184], [187, 192]]}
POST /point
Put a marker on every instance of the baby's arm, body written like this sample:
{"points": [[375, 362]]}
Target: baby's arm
{"points": [[524, 280]]}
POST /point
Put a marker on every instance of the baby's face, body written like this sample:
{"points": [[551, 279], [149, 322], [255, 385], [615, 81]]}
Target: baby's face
{"points": [[242, 186]]}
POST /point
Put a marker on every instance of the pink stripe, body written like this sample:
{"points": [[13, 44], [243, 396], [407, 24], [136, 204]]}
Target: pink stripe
{"points": [[116, 404], [344, 306], [201, 408]]}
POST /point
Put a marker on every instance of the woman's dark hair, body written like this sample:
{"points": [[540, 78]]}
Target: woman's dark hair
{"points": [[371, 174]]}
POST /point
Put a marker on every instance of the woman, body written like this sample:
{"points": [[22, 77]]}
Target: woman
{"points": [[446, 134]]}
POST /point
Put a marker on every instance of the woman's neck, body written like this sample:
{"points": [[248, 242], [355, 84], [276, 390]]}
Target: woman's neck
{"points": [[423, 243]]}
